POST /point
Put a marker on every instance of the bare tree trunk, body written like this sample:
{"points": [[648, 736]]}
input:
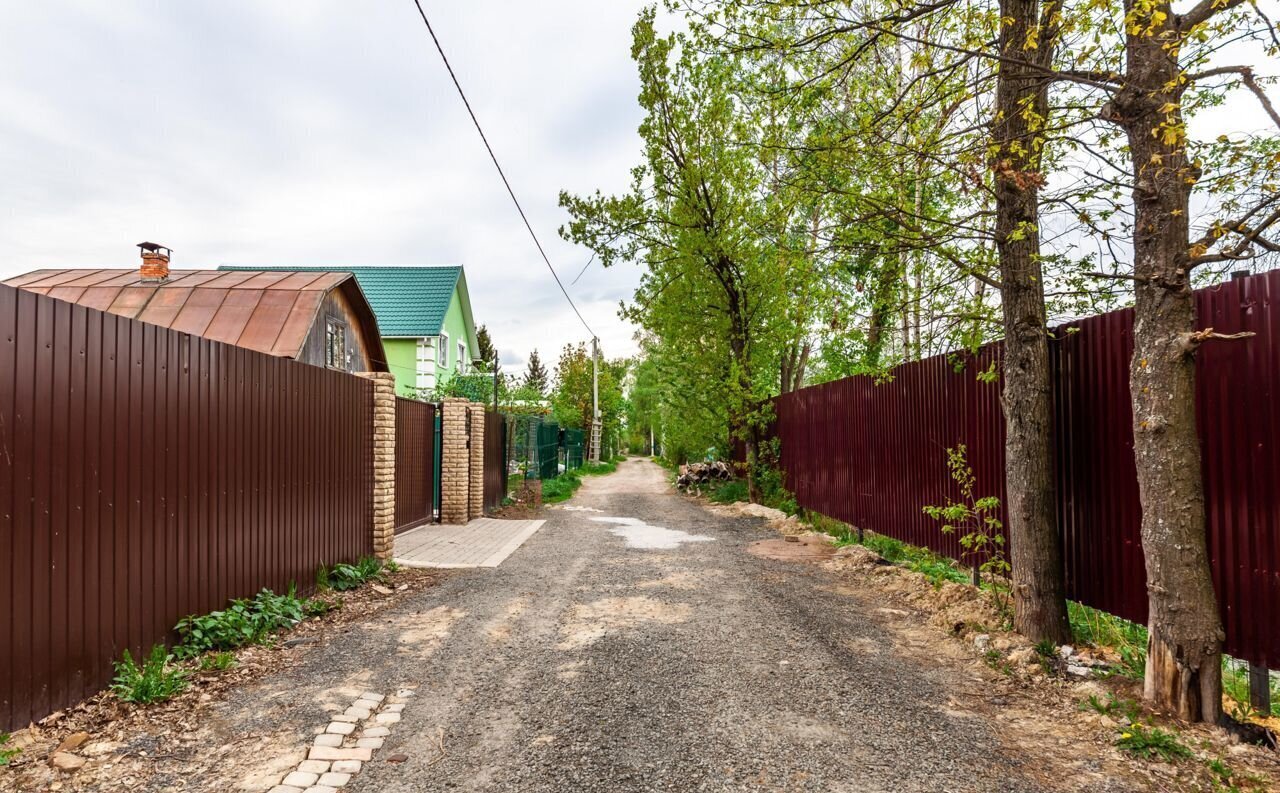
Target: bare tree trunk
{"points": [[1022, 103], [1184, 651]]}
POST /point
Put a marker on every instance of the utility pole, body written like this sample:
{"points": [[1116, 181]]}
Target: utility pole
{"points": [[595, 399], [495, 381]]}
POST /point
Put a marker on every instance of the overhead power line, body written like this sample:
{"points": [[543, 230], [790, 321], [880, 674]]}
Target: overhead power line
{"points": [[494, 157]]}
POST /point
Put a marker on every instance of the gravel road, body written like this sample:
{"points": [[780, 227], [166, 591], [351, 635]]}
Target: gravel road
{"points": [[654, 653], [633, 644]]}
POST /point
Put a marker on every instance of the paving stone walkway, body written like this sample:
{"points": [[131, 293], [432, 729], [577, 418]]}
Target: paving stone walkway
{"points": [[483, 542]]}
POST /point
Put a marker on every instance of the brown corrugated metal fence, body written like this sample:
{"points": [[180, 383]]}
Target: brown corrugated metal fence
{"points": [[146, 474], [873, 455], [415, 463], [495, 460]]}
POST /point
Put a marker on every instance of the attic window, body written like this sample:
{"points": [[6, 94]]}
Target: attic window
{"points": [[444, 350], [335, 345]]}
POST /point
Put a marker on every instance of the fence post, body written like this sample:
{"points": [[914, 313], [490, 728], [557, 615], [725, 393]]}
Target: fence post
{"points": [[384, 463], [455, 467], [1260, 689], [476, 501]]}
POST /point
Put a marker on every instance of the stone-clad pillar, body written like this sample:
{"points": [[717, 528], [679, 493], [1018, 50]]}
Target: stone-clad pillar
{"points": [[384, 462], [455, 464], [477, 460]]}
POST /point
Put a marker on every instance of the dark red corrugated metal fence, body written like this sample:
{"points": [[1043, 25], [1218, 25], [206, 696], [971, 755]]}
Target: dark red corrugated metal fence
{"points": [[873, 455], [145, 475], [415, 463]]}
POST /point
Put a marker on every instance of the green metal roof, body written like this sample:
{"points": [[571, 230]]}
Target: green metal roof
{"points": [[408, 301]]}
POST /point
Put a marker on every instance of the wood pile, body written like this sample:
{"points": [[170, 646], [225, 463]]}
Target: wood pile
{"points": [[696, 475]]}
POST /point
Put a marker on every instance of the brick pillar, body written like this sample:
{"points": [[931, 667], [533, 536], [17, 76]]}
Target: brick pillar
{"points": [[384, 462], [477, 460], [455, 464]]}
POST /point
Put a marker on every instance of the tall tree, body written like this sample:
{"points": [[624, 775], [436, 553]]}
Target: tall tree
{"points": [[487, 354], [1028, 36], [690, 219], [535, 374], [1184, 672]]}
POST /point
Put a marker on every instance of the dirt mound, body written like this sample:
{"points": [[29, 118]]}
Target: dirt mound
{"points": [[808, 548]]}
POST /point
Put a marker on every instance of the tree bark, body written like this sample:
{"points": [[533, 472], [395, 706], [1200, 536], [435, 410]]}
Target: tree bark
{"points": [[1184, 651], [1022, 104]]}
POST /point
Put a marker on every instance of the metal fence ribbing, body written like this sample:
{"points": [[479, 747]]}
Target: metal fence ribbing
{"points": [[873, 455], [147, 475]]}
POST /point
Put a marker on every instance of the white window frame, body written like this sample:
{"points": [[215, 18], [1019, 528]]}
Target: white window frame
{"points": [[443, 360], [425, 364], [462, 357]]}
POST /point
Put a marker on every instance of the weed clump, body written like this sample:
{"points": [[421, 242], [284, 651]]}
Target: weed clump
{"points": [[156, 680]]}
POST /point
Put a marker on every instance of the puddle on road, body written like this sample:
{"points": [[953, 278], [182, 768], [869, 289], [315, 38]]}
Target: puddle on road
{"points": [[639, 534]]}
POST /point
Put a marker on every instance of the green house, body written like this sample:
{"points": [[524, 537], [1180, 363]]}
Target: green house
{"points": [[424, 318]]}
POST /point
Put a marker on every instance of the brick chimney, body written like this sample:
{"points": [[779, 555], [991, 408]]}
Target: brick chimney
{"points": [[155, 261]]}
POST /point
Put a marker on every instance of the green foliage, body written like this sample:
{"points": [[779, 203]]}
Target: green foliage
{"points": [[974, 519], [7, 754], [342, 577], [219, 661], [571, 398], [156, 680], [244, 621], [560, 488], [1128, 639], [1151, 743], [1235, 684], [730, 492]]}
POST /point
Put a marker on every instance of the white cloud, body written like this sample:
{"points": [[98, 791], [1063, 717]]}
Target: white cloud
{"points": [[327, 133]]}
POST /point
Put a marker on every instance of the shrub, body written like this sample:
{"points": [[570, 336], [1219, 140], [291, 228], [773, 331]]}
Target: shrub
{"points": [[155, 681], [6, 754], [974, 520], [242, 622]]}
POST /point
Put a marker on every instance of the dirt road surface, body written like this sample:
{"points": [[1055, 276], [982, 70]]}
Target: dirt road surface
{"points": [[633, 644]]}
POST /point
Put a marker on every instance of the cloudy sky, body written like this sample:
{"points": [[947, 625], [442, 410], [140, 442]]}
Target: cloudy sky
{"points": [[322, 133]]}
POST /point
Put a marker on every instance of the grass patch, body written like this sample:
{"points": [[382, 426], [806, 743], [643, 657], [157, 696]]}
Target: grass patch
{"points": [[597, 469], [922, 560], [1152, 743], [156, 680], [1113, 706], [560, 488], [1235, 684], [7, 754], [1091, 626], [730, 492]]}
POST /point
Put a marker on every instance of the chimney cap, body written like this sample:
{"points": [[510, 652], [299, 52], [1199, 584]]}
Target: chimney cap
{"points": [[155, 247]]}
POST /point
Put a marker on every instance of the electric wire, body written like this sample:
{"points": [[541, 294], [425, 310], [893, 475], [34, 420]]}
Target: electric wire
{"points": [[501, 173]]}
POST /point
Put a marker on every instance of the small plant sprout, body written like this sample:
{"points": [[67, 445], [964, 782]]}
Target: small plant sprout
{"points": [[1152, 743], [974, 520], [217, 661]]}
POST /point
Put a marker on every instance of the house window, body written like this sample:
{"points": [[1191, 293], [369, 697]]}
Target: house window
{"points": [[335, 345], [444, 350], [462, 357], [425, 360]]}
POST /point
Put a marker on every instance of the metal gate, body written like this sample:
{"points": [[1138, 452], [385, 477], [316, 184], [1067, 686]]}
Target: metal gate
{"points": [[573, 447], [417, 463], [495, 460]]}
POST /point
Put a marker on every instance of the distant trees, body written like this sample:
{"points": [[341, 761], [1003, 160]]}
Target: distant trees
{"points": [[571, 397], [487, 354]]}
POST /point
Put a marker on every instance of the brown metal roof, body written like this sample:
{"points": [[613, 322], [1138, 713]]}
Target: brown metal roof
{"points": [[269, 311]]}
